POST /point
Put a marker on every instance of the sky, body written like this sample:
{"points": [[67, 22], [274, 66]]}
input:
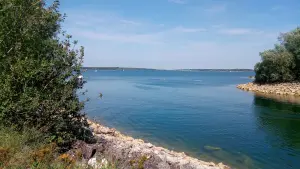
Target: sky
{"points": [[177, 34]]}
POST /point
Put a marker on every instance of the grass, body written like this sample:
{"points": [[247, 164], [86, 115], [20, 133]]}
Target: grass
{"points": [[29, 149], [32, 149], [139, 163]]}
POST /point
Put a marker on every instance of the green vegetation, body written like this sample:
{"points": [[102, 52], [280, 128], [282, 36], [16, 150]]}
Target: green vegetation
{"points": [[39, 66], [281, 64], [39, 105], [139, 163], [29, 149]]}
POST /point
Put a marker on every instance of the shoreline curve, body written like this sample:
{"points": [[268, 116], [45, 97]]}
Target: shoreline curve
{"points": [[130, 152], [288, 89]]}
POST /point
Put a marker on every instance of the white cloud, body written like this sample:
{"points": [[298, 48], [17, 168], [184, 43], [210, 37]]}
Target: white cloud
{"points": [[178, 1], [152, 37], [239, 31], [120, 37], [113, 40], [111, 27], [129, 22], [101, 20], [189, 30]]}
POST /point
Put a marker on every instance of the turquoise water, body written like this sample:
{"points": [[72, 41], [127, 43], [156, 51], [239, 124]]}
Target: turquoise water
{"points": [[199, 113]]}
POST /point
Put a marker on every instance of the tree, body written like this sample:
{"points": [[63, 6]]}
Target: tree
{"points": [[291, 42], [39, 67], [281, 64], [276, 66]]}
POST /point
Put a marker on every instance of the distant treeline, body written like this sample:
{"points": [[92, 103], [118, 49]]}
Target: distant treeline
{"points": [[219, 70], [126, 68], [114, 68]]}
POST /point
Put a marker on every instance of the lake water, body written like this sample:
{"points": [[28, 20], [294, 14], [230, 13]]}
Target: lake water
{"points": [[200, 113]]}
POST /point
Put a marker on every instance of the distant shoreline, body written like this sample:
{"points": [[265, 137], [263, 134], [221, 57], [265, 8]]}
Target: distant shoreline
{"points": [[194, 70]]}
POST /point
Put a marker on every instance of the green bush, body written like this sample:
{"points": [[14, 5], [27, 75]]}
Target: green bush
{"points": [[39, 66], [31, 149], [277, 66], [291, 41], [19, 149], [281, 64]]}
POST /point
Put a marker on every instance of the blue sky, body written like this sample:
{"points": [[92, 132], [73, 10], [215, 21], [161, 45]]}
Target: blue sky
{"points": [[171, 34]]}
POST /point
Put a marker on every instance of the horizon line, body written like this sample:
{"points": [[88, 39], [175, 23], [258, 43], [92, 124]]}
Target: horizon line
{"points": [[120, 67]]}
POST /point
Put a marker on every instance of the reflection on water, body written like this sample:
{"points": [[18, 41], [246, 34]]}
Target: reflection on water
{"points": [[284, 122], [281, 123], [281, 98]]}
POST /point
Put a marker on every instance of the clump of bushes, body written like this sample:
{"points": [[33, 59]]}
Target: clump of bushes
{"points": [[281, 64], [30, 148], [39, 66], [27, 149]]}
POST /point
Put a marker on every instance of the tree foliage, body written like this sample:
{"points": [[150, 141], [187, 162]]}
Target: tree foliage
{"points": [[39, 66], [291, 41], [277, 66], [281, 64]]}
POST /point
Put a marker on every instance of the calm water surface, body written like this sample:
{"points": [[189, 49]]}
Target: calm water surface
{"points": [[200, 113]]}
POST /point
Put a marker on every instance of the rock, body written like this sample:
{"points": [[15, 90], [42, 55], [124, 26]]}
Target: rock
{"points": [[93, 163], [135, 153], [163, 166], [279, 89], [104, 162], [97, 165], [87, 150], [149, 145]]}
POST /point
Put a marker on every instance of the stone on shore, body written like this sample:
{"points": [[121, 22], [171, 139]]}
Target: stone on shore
{"points": [[292, 89], [130, 153]]}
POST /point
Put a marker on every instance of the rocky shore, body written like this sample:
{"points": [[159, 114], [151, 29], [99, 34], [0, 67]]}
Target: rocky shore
{"points": [[292, 89], [128, 153]]}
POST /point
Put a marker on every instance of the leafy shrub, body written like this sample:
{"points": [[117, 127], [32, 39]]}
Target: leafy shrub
{"points": [[31, 149], [277, 66], [17, 148], [291, 41], [39, 66]]}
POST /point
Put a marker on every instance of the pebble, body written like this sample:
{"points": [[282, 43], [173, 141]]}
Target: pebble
{"points": [[130, 153], [279, 89]]}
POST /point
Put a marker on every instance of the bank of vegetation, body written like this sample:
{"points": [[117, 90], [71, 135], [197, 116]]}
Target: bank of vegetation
{"points": [[278, 72], [281, 64], [40, 112]]}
